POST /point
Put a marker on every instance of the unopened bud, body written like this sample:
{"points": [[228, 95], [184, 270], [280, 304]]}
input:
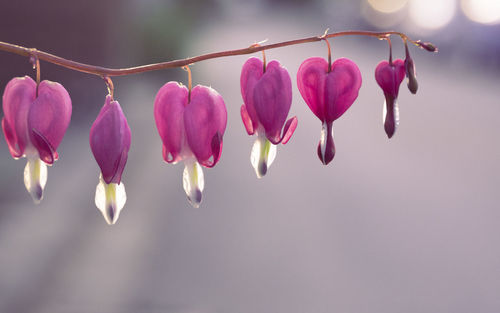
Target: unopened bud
{"points": [[428, 46], [411, 75]]}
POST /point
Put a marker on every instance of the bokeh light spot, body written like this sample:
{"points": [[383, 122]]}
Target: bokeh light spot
{"points": [[482, 11], [387, 6], [431, 14]]}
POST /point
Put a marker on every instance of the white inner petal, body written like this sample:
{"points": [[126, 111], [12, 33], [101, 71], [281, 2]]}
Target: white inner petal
{"points": [[35, 177], [193, 182], [396, 113], [262, 155], [110, 200]]}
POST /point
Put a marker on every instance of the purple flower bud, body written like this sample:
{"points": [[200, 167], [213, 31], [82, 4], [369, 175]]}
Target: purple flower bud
{"points": [[410, 72], [110, 142], [328, 94], [191, 126], [427, 46], [267, 97], [34, 126], [389, 77]]}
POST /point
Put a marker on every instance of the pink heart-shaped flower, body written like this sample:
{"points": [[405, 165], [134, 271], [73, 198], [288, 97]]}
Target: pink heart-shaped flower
{"points": [[328, 93], [37, 121], [389, 76]]}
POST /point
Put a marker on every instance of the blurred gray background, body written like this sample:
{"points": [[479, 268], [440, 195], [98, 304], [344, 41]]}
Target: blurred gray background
{"points": [[406, 225]]}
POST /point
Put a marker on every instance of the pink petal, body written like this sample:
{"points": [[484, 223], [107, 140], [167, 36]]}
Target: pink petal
{"points": [[216, 146], [18, 96], [11, 138], [205, 116], [110, 141], [329, 94], [169, 106], [342, 88], [390, 77], [311, 81], [289, 129], [251, 72], [247, 121], [48, 119], [272, 98], [46, 152]]}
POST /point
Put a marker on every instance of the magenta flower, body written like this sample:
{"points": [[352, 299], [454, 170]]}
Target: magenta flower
{"points": [[267, 97], [110, 142], [328, 91], [34, 125], [191, 125], [389, 76]]}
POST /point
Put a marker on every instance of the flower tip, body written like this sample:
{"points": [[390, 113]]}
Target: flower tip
{"points": [[110, 200], [110, 215], [195, 198], [261, 169], [390, 131], [37, 193], [326, 146], [412, 84], [193, 182], [325, 156], [35, 178], [262, 155], [428, 46]]}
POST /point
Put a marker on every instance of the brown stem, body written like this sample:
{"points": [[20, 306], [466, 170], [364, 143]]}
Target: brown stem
{"points": [[390, 49], [329, 56], [110, 86], [103, 71], [190, 81], [325, 38], [37, 65], [264, 61]]}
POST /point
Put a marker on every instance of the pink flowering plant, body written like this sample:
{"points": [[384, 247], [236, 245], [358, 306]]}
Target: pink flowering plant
{"points": [[110, 142], [267, 95], [191, 121]]}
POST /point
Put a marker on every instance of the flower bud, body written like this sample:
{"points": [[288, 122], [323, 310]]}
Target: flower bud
{"points": [[110, 142], [410, 72], [427, 46]]}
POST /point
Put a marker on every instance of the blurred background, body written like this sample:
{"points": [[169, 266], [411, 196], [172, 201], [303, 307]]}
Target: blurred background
{"points": [[410, 224]]}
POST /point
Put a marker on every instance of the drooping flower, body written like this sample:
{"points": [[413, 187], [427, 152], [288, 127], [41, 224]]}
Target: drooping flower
{"points": [[328, 90], [191, 125], [110, 142], [34, 125], [267, 97], [411, 75], [389, 76]]}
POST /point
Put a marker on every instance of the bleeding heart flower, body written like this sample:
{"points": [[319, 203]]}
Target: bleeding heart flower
{"points": [[34, 125], [389, 76], [191, 126], [328, 91], [267, 97], [110, 142]]}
